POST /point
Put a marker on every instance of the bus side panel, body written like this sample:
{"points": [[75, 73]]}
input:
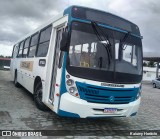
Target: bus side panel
{"points": [[19, 72], [27, 73]]}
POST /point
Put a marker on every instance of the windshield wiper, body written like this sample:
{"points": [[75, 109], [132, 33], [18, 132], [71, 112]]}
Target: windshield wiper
{"points": [[121, 45], [105, 38], [125, 38], [100, 62]]}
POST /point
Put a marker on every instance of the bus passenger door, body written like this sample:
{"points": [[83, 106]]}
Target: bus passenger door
{"points": [[13, 64], [53, 71], [56, 72]]}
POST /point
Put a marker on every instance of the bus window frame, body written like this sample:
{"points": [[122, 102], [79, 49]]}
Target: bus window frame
{"points": [[20, 49], [26, 47], [50, 25], [38, 32], [13, 49]]}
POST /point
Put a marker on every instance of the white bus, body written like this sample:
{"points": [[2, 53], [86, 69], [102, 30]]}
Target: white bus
{"points": [[82, 63]]}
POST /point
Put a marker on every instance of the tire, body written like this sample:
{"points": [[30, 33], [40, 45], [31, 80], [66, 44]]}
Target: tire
{"points": [[38, 98], [154, 85], [15, 80]]}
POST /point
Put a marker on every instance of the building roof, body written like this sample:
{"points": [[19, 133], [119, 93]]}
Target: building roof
{"points": [[4, 58], [151, 56]]}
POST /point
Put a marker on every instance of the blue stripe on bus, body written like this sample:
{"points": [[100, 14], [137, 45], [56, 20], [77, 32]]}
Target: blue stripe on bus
{"points": [[63, 88], [105, 26], [68, 114], [106, 95]]}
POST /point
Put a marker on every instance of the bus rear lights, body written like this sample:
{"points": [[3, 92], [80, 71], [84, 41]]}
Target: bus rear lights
{"points": [[70, 82]]}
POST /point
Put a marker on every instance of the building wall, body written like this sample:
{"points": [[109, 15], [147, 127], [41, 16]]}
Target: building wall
{"points": [[4, 63], [149, 74]]}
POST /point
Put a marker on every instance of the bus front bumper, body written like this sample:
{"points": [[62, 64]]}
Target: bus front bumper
{"points": [[71, 106]]}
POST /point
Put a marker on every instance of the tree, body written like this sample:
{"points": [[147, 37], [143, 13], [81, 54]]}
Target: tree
{"points": [[144, 64], [151, 64], [8, 56]]}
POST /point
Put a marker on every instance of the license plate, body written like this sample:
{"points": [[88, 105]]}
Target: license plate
{"points": [[110, 110]]}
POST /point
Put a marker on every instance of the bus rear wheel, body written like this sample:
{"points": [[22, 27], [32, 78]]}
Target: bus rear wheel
{"points": [[15, 80], [38, 98]]}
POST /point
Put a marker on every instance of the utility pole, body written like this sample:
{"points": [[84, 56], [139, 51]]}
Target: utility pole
{"points": [[157, 70]]}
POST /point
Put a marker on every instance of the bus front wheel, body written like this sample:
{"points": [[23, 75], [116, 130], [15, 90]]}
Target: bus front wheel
{"points": [[38, 98]]}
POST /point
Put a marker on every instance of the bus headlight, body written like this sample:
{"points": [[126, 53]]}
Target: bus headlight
{"points": [[69, 82], [139, 93], [73, 91]]}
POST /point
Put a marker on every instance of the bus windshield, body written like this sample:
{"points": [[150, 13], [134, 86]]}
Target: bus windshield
{"points": [[105, 52]]}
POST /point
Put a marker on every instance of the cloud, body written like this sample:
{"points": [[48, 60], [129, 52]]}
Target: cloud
{"points": [[146, 15], [6, 47], [20, 17]]}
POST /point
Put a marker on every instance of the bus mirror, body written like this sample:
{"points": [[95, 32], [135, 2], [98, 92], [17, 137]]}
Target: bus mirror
{"points": [[63, 46]]}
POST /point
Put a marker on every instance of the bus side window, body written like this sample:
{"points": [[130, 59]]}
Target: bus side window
{"points": [[33, 45], [20, 49], [15, 51], [44, 42], [26, 45]]}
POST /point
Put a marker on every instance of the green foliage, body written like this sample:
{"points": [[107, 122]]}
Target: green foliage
{"points": [[144, 64], [151, 64], [1, 56]]}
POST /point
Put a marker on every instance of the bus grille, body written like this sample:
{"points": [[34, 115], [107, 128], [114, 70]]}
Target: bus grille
{"points": [[106, 95]]}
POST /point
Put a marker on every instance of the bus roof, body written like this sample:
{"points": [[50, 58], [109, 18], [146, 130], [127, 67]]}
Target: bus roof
{"points": [[70, 7], [102, 17], [67, 12]]}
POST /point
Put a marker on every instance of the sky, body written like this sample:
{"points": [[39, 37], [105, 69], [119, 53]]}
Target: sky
{"points": [[19, 17]]}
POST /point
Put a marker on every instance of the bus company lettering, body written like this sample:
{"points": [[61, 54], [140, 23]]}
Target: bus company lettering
{"points": [[112, 85], [28, 65]]}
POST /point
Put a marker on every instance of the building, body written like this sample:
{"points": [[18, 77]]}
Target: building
{"points": [[5, 63], [149, 73]]}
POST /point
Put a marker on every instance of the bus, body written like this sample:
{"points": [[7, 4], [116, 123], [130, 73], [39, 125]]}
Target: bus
{"points": [[83, 63]]}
